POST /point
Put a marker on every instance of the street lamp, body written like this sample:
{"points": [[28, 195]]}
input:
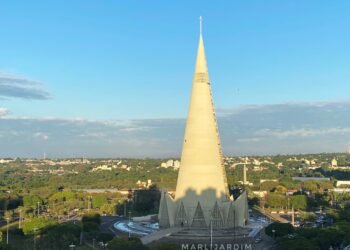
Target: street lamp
{"points": [[20, 219], [38, 208], [211, 230], [7, 230], [35, 229], [72, 246], [129, 225], [104, 245], [273, 232]]}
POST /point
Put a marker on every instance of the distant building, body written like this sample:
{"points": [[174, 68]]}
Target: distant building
{"points": [[265, 180], [291, 191], [260, 194], [307, 162], [101, 167], [334, 163], [176, 164], [144, 184], [170, 163], [256, 162], [313, 167], [341, 190], [310, 179], [2, 161], [245, 180], [342, 183]]}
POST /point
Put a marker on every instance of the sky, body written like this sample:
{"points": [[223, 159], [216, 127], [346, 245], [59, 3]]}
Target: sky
{"points": [[113, 78]]}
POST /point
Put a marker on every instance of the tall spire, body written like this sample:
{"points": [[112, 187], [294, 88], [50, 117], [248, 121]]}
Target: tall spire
{"points": [[201, 171], [202, 193]]}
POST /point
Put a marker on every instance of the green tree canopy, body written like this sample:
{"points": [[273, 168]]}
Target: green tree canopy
{"points": [[281, 229], [299, 243], [122, 243], [40, 223]]}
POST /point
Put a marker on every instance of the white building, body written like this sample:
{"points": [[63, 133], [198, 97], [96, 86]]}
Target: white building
{"points": [[170, 163], [334, 163]]}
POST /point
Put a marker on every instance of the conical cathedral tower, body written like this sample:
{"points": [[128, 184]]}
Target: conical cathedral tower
{"points": [[202, 195], [201, 152]]}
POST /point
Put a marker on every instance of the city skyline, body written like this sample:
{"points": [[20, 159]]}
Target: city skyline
{"points": [[70, 84]]}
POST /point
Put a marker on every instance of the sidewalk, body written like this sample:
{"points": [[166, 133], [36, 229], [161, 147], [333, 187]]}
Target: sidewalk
{"points": [[159, 234]]}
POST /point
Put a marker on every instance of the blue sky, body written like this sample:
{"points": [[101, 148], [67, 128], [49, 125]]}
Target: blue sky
{"points": [[127, 60]]}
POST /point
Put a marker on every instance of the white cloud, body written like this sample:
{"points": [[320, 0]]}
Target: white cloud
{"points": [[15, 86], [265, 129], [303, 132], [41, 135], [4, 112]]}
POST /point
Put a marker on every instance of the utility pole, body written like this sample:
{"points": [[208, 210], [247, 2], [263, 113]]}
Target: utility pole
{"points": [[38, 208], [293, 216], [211, 231], [35, 238], [129, 225], [89, 203], [7, 230], [20, 219]]}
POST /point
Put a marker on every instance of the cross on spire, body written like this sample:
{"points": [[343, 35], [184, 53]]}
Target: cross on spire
{"points": [[200, 25]]}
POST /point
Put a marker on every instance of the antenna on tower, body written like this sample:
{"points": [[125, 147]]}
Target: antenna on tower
{"points": [[200, 24]]}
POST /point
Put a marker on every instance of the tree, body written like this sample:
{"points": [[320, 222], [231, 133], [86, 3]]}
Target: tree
{"points": [[60, 236], [40, 223], [280, 189], [330, 237], [297, 244], [99, 200], [108, 208], [91, 217], [276, 200], [147, 201], [104, 237], [268, 185], [310, 186], [125, 243], [299, 201], [281, 229], [91, 222], [90, 227], [31, 201]]}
